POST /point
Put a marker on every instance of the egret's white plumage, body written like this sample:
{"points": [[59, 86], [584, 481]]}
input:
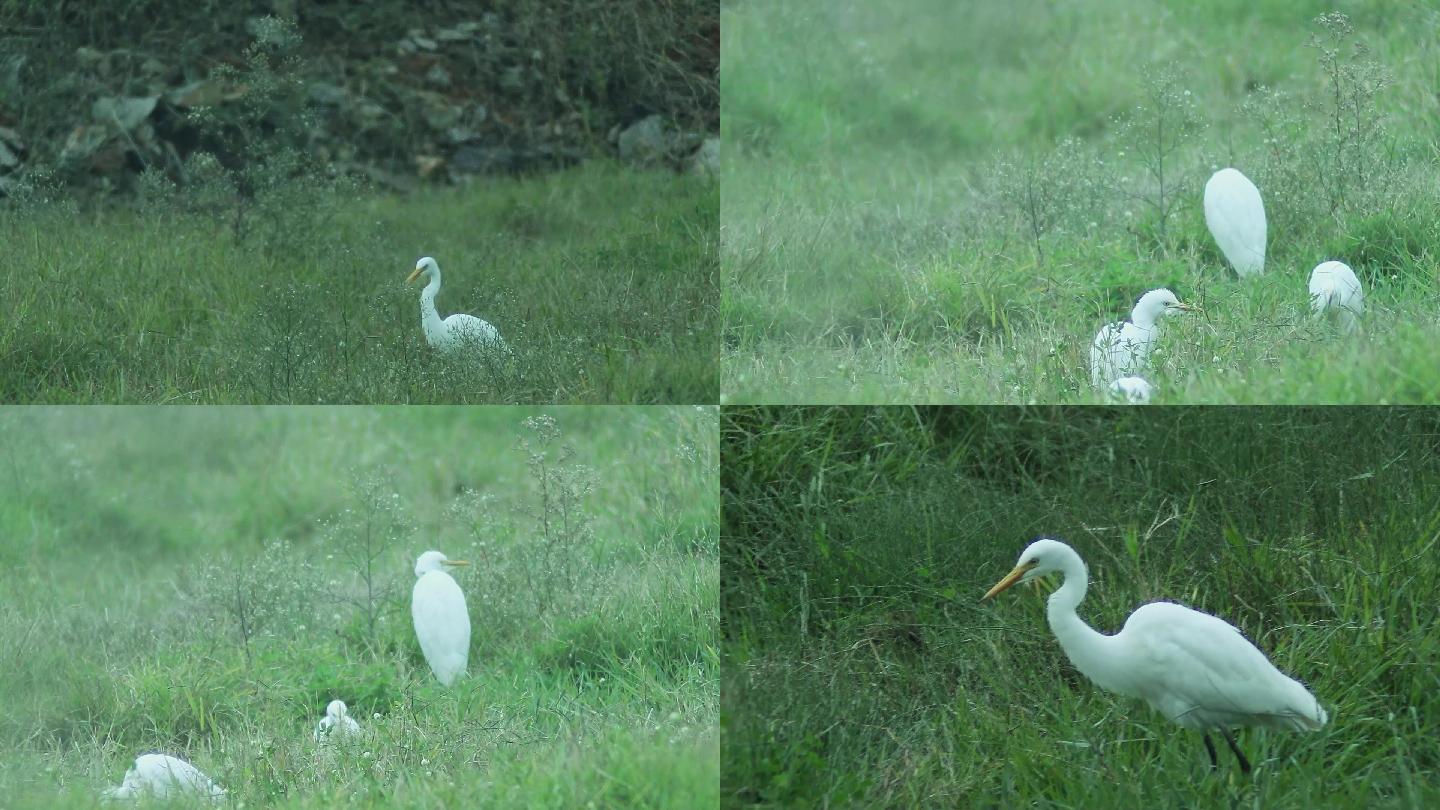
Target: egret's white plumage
{"points": [[458, 331], [1123, 348], [1194, 668], [1336, 292], [337, 722], [1134, 390], [1236, 218], [441, 621], [162, 776]]}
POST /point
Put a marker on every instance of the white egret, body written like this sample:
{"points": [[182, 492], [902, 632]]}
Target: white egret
{"points": [[1335, 291], [441, 621], [1236, 218], [1192, 667], [457, 331], [1134, 390], [337, 722], [1123, 348], [162, 776]]}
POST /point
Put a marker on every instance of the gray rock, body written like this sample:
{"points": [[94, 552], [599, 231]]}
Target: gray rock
{"points": [[327, 95], [127, 113], [645, 142], [438, 76], [706, 159]]}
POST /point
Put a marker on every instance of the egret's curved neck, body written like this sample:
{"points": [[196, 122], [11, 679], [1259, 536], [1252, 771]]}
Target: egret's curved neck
{"points": [[1145, 319], [1091, 652], [429, 318]]}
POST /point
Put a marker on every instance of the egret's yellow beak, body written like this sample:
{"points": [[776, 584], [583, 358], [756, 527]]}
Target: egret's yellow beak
{"points": [[1183, 307], [454, 562], [1010, 579], [415, 275]]}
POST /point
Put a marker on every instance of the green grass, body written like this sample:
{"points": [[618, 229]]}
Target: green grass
{"points": [[125, 527], [860, 667], [869, 253], [603, 280]]}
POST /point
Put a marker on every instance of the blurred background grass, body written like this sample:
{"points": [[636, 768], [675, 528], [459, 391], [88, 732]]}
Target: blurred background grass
{"points": [[129, 534], [860, 667], [874, 250]]}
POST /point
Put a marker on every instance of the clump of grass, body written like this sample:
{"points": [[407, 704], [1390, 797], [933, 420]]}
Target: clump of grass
{"points": [[1353, 165], [1154, 134], [563, 529], [364, 535], [1061, 187], [253, 597]]}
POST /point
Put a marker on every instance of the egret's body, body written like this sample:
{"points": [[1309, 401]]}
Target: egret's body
{"points": [[458, 331], [1335, 292], [337, 722], [1192, 667], [442, 622], [162, 776], [1134, 390], [1236, 218], [1123, 348]]}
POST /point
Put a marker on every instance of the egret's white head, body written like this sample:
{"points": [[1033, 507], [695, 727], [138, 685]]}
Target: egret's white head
{"points": [[1155, 303], [434, 561], [1044, 556], [425, 265], [336, 709]]}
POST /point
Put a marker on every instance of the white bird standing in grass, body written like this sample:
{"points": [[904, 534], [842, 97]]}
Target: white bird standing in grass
{"points": [[1123, 348], [1236, 218], [442, 622], [1336, 292], [164, 777], [1195, 669], [1134, 390], [457, 331], [337, 722]]}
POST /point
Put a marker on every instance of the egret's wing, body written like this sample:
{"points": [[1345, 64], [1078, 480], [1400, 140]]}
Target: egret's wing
{"points": [[1197, 663], [1236, 218], [1103, 355]]}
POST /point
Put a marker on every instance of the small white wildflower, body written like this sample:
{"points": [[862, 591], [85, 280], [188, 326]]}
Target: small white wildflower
{"points": [[1215, 359]]}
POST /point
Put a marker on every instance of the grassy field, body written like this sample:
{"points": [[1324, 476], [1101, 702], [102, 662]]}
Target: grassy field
{"points": [[943, 202], [191, 581], [860, 667], [603, 280]]}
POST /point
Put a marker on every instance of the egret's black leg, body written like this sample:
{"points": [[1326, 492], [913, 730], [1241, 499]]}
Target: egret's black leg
{"points": [[1244, 763], [1210, 746]]}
